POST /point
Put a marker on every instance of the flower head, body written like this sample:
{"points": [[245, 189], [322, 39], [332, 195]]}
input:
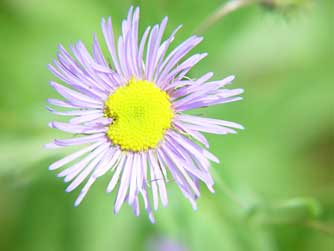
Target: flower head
{"points": [[130, 115]]}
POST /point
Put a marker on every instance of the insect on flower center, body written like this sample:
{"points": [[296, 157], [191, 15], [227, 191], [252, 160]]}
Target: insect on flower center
{"points": [[141, 113]]}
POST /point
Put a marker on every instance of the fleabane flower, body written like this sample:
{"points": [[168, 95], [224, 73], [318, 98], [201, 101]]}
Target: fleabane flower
{"points": [[129, 115]]}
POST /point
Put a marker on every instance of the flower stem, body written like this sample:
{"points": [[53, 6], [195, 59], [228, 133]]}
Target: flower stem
{"points": [[323, 227], [221, 12], [228, 191], [320, 226]]}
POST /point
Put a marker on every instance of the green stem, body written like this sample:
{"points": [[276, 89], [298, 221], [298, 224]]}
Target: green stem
{"points": [[221, 12], [320, 226], [313, 224], [227, 190]]}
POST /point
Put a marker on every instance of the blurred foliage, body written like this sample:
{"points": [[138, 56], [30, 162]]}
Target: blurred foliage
{"points": [[275, 185], [286, 6]]}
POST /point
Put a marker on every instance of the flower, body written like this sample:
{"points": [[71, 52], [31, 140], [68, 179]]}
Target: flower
{"points": [[130, 115]]}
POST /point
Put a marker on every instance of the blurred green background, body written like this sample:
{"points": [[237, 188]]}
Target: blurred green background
{"points": [[280, 169]]}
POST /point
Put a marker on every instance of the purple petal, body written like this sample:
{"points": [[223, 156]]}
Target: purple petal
{"points": [[76, 97], [79, 129], [115, 178], [110, 162], [155, 168], [72, 171], [86, 171], [124, 183], [81, 140], [73, 156]]}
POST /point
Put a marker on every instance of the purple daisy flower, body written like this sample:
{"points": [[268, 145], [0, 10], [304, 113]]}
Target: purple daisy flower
{"points": [[129, 115]]}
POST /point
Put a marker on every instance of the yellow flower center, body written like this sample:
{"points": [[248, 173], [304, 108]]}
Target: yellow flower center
{"points": [[141, 113]]}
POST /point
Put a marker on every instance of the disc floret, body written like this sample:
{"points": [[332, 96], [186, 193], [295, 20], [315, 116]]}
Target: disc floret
{"points": [[141, 114]]}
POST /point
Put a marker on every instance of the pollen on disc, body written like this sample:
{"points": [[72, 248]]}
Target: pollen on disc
{"points": [[141, 114]]}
